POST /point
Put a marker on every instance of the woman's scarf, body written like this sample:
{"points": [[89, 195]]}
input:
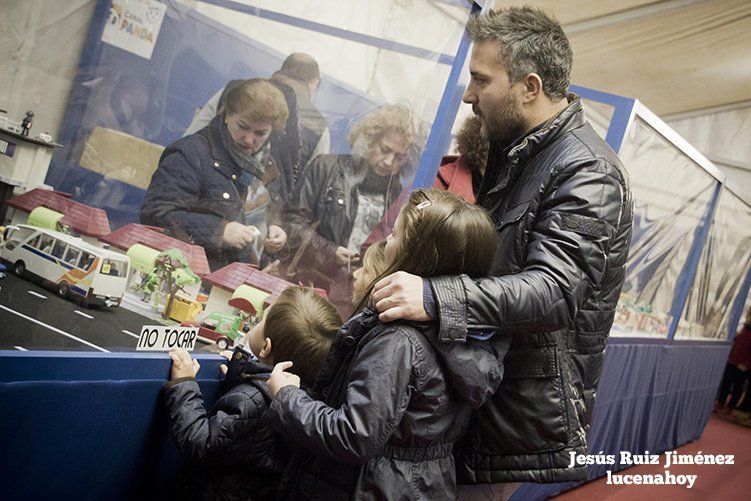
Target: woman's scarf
{"points": [[250, 164]]}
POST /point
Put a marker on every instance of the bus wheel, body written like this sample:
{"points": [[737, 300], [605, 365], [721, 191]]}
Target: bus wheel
{"points": [[19, 268], [222, 343], [63, 289]]}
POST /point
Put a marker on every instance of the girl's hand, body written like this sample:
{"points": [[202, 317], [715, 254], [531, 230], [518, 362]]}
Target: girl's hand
{"points": [[182, 364], [279, 378]]}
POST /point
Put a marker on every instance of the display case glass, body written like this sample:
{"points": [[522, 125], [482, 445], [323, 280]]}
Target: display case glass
{"points": [[672, 195], [165, 211], [725, 262]]}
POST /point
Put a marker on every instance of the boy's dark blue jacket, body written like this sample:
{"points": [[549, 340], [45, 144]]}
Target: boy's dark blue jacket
{"points": [[229, 452]]}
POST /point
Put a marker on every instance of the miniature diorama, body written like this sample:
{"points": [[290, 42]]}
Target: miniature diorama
{"points": [[226, 329], [638, 318], [144, 245], [171, 274], [152, 277]]}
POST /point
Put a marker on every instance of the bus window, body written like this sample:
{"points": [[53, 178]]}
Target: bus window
{"points": [[114, 268], [86, 260], [59, 249], [16, 236], [71, 257], [34, 242], [47, 242]]}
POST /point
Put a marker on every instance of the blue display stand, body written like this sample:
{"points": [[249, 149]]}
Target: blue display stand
{"points": [[88, 426], [651, 397]]}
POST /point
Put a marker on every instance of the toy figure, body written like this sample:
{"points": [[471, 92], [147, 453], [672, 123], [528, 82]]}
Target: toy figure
{"points": [[26, 123]]}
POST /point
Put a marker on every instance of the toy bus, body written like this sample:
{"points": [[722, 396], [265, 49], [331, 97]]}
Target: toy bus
{"points": [[74, 268]]}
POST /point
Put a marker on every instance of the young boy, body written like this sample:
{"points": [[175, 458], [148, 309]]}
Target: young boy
{"points": [[229, 452]]}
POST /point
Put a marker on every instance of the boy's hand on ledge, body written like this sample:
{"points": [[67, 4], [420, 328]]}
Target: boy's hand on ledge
{"points": [[223, 367], [279, 378], [182, 365]]}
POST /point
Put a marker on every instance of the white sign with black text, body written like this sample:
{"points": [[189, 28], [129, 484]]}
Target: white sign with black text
{"points": [[164, 338], [134, 25]]}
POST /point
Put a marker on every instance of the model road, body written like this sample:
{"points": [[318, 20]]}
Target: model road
{"points": [[35, 318]]}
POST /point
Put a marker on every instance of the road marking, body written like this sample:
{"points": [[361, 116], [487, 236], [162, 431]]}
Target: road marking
{"points": [[37, 294], [82, 314], [131, 334], [20, 348], [55, 329]]}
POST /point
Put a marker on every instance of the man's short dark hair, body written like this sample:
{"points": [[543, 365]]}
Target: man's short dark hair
{"points": [[531, 42], [301, 66]]}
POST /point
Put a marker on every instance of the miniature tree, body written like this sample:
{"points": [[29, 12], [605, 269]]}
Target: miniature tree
{"points": [[171, 272]]}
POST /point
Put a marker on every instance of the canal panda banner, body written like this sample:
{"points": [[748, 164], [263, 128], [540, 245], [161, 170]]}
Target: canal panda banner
{"points": [[134, 25]]}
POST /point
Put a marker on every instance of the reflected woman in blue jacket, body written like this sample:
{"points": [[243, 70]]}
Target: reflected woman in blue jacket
{"points": [[219, 188]]}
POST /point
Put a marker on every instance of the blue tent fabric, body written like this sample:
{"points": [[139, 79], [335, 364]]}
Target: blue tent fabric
{"points": [[651, 397]]}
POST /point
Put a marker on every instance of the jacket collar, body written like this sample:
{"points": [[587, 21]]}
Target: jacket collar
{"points": [[570, 118], [218, 151], [526, 147], [220, 154], [361, 322]]}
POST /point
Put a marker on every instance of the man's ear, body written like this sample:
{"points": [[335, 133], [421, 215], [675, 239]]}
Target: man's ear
{"points": [[532, 87], [266, 349]]}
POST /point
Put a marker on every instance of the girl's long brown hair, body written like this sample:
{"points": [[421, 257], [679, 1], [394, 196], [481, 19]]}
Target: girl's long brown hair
{"points": [[441, 234]]}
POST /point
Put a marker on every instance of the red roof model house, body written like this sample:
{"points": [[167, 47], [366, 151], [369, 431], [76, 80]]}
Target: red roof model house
{"points": [[234, 275], [84, 220], [227, 279], [150, 236]]}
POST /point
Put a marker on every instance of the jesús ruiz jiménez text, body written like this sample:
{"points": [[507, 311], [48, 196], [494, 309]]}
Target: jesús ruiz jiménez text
{"points": [[667, 459]]}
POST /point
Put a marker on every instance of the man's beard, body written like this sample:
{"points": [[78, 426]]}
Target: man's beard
{"points": [[503, 124]]}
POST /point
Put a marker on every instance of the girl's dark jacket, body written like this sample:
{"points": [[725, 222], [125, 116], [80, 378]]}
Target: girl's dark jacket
{"points": [[229, 452], [391, 414], [196, 191]]}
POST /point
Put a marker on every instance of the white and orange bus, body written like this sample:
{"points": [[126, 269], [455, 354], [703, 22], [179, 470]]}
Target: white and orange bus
{"points": [[74, 268]]}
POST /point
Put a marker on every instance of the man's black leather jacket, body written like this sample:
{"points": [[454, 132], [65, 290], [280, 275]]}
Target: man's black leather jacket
{"points": [[560, 201]]}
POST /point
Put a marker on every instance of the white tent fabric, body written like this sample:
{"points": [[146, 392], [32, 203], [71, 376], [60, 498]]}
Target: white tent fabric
{"points": [[724, 138], [674, 55], [40, 45]]}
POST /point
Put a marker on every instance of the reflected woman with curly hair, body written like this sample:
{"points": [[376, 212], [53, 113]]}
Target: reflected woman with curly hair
{"points": [[343, 197]]}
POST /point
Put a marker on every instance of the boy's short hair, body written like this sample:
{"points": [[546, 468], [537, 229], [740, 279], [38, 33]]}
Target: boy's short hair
{"points": [[301, 326]]}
